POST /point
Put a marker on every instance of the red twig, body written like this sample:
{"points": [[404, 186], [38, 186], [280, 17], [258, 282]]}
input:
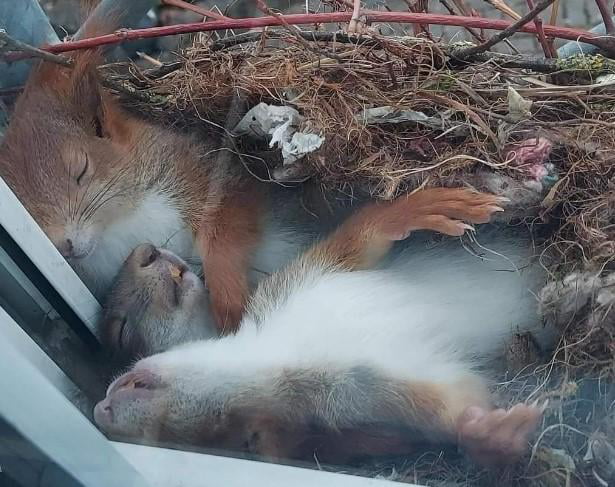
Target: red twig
{"points": [[420, 6], [333, 17], [553, 21], [606, 16], [195, 8], [542, 38], [294, 31], [472, 32]]}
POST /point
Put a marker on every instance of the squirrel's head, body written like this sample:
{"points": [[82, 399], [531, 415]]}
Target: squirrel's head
{"points": [[156, 302], [66, 153]]}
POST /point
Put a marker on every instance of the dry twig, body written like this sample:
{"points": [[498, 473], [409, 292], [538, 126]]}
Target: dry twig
{"points": [[196, 9], [504, 8], [7, 43], [294, 31], [519, 24], [547, 47], [606, 17], [472, 32]]}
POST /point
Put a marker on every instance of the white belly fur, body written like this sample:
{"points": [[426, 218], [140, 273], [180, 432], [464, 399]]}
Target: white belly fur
{"points": [[157, 220], [435, 315]]}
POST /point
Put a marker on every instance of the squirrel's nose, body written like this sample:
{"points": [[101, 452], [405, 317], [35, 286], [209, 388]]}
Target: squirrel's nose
{"points": [[66, 248]]}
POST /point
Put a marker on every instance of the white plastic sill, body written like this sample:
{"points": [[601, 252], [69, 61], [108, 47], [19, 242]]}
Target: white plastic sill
{"points": [[172, 468], [34, 406]]}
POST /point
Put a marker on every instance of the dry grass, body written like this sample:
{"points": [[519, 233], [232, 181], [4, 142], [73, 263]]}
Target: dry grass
{"points": [[334, 81]]}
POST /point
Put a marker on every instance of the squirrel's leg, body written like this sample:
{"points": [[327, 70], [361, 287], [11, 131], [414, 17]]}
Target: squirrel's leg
{"points": [[362, 240], [464, 413], [397, 418], [226, 243]]}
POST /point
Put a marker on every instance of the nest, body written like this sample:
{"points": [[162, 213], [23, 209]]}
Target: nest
{"points": [[545, 125]]}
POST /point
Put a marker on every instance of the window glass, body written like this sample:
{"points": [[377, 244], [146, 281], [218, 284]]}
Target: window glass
{"points": [[361, 237]]}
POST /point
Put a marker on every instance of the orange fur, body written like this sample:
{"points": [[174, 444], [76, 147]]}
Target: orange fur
{"points": [[423, 414], [226, 245], [369, 234], [65, 115], [430, 415]]}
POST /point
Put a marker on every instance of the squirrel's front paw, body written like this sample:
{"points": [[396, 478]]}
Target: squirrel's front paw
{"points": [[444, 210]]}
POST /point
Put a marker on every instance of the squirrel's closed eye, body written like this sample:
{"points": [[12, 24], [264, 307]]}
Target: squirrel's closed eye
{"points": [[121, 335], [98, 128], [84, 170]]}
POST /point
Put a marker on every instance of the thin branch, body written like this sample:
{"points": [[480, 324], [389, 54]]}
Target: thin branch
{"points": [[554, 12], [506, 33], [472, 32], [537, 64], [356, 10], [504, 8], [353, 25], [346, 3], [294, 31], [7, 43], [332, 17], [606, 16], [127, 89], [149, 59], [208, 14], [542, 39], [12, 91], [553, 21], [420, 6], [312, 36], [463, 8]]}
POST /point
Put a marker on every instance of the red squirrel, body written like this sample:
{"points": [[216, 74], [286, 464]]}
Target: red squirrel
{"points": [[337, 359], [100, 181]]}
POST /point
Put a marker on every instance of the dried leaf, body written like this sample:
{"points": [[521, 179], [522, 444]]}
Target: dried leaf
{"points": [[518, 107]]}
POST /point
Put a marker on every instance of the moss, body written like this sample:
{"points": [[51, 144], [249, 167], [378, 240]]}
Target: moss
{"points": [[444, 82], [595, 64], [456, 46]]}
